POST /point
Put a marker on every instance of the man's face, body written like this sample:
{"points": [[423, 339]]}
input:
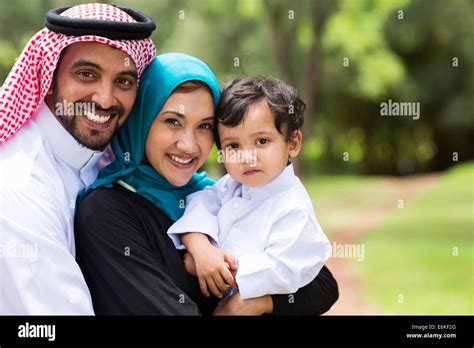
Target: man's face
{"points": [[94, 90]]}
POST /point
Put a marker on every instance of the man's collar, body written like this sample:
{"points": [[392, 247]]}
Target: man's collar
{"points": [[63, 144], [281, 183]]}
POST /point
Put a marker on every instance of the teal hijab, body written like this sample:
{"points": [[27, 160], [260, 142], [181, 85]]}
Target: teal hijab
{"points": [[157, 83]]}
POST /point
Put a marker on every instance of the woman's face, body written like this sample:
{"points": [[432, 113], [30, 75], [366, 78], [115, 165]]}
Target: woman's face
{"points": [[181, 135]]}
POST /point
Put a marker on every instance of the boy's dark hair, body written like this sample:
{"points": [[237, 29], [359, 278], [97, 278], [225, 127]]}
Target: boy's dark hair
{"points": [[237, 95]]}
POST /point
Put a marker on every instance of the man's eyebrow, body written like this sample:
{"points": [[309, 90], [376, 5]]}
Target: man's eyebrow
{"points": [[82, 63], [130, 73]]}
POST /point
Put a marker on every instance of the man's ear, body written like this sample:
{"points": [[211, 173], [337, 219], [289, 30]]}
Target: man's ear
{"points": [[49, 98], [294, 145]]}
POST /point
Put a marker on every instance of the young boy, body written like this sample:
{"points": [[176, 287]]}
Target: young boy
{"points": [[255, 229]]}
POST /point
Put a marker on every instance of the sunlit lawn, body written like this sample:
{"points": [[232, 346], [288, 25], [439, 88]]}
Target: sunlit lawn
{"points": [[420, 259]]}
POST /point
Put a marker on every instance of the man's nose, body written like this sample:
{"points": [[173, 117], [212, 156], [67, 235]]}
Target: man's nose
{"points": [[104, 95]]}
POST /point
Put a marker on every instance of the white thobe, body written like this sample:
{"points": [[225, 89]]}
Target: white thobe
{"points": [[272, 231], [42, 169]]}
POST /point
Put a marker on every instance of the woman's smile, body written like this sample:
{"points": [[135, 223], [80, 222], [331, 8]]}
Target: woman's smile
{"points": [[182, 162]]}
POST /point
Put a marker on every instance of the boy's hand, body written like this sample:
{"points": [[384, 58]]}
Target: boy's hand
{"points": [[213, 269]]}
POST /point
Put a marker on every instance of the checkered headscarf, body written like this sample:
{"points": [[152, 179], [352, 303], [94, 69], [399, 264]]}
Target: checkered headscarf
{"points": [[30, 78]]}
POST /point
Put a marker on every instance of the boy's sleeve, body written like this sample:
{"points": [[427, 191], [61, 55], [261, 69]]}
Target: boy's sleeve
{"points": [[295, 253], [200, 214]]}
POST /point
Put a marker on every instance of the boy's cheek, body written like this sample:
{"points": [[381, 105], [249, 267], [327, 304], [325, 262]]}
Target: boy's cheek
{"points": [[232, 169]]}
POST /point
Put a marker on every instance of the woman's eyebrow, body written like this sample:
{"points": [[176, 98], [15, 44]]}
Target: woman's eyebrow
{"points": [[179, 114], [173, 112]]}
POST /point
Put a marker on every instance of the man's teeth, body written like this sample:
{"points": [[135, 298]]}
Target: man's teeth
{"points": [[180, 160], [96, 118]]}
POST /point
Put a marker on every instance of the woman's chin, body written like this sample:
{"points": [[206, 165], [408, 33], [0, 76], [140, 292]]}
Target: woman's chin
{"points": [[181, 181]]}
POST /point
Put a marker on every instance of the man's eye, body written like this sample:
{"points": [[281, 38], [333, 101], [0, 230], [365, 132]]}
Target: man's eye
{"points": [[172, 121], [86, 74], [124, 82], [232, 146], [262, 141]]}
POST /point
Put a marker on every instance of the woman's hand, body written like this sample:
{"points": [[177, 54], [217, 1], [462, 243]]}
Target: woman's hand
{"points": [[234, 305], [189, 264]]}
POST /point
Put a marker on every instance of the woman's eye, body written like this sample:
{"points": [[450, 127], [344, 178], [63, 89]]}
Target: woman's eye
{"points": [[172, 121], [206, 126], [262, 141], [232, 146]]}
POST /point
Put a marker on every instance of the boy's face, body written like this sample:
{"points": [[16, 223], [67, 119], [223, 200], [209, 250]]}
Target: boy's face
{"points": [[255, 152]]}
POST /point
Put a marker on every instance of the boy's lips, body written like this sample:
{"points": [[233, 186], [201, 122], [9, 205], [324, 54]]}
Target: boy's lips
{"points": [[251, 172]]}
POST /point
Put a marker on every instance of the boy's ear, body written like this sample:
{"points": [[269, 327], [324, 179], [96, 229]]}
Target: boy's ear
{"points": [[294, 145]]}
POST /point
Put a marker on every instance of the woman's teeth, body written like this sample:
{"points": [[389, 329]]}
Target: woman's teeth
{"points": [[180, 160], [96, 118]]}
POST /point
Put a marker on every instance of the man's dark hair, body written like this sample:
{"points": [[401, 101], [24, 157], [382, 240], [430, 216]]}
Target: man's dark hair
{"points": [[237, 95]]}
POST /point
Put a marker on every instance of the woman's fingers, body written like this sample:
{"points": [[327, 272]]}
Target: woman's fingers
{"points": [[189, 264], [232, 261], [221, 282], [203, 286], [212, 286], [228, 278]]}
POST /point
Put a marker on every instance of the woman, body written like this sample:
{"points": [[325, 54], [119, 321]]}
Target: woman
{"points": [[128, 261]]}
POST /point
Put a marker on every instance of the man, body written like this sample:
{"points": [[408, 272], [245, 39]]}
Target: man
{"points": [[70, 90]]}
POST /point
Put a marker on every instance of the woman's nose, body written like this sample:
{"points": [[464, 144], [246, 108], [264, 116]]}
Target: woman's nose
{"points": [[187, 143]]}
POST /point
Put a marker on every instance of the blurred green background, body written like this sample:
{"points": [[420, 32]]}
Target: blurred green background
{"points": [[400, 188]]}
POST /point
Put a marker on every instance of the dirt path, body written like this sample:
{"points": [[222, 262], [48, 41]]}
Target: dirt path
{"points": [[350, 301]]}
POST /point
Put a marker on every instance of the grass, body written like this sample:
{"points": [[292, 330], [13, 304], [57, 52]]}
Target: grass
{"points": [[340, 199], [425, 252], [420, 260]]}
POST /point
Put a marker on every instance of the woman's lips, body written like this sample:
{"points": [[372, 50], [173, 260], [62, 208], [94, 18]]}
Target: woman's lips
{"points": [[181, 162]]}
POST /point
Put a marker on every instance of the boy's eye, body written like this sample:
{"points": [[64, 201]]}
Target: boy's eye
{"points": [[172, 121], [232, 146], [262, 141]]}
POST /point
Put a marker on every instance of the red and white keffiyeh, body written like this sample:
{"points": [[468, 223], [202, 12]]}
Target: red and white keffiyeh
{"points": [[30, 78]]}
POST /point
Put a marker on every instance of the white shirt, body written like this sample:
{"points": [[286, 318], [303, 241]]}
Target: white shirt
{"points": [[42, 169], [272, 230]]}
